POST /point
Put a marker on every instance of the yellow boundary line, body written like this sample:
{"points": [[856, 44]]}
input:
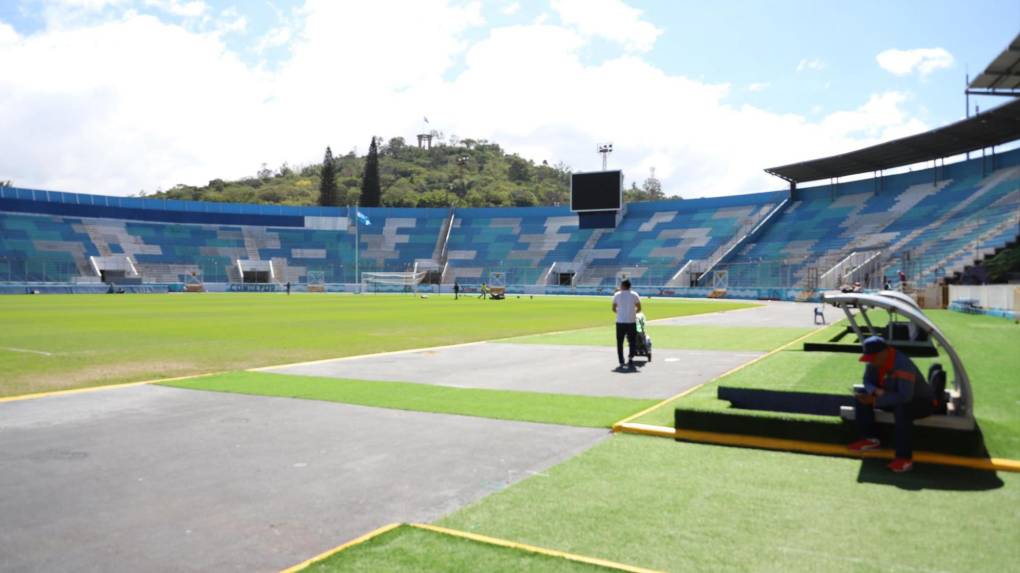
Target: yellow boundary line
{"points": [[98, 388], [717, 378], [819, 448], [533, 549], [472, 537], [339, 548]]}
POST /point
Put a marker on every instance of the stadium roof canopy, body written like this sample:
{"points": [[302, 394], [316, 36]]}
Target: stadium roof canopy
{"points": [[987, 129], [1002, 76]]}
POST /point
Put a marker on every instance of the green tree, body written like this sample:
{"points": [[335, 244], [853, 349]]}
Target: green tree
{"points": [[653, 187], [518, 171], [522, 198], [371, 194], [327, 181], [400, 194], [435, 199]]}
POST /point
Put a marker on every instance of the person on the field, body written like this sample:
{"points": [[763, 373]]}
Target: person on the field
{"points": [[456, 289], [288, 287], [626, 305], [484, 291], [892, 383]]}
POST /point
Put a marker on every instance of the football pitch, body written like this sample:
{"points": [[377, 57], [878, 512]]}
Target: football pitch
{"points": [[60, 342], [527, 383]]}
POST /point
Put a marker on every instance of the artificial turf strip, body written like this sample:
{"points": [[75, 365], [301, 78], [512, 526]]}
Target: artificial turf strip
{"points": [[585, 411], [412, 550], [694, 337], [693, 507], [58, 342]]}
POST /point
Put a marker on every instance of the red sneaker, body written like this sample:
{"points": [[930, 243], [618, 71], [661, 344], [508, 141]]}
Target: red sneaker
{"points": [[864, 445], [900, 465]]}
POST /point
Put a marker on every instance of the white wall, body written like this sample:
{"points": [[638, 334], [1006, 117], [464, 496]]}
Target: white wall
{"points": [[1003, 297]]}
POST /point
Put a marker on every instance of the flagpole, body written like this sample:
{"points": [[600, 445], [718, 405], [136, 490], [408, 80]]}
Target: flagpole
{"points": [[357, 247]]}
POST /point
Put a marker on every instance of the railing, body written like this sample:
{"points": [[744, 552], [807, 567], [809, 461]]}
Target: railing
{"points": [[740, 236], [846, 271]]}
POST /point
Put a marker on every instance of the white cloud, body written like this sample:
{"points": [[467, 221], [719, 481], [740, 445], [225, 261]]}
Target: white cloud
{"points": [[93, 5], [274, 39], [136, 102], [178, 8], [758, 87], [230, 21], [812, 64], [7, 35], [612, 20], [922, 60], [510, 8]]}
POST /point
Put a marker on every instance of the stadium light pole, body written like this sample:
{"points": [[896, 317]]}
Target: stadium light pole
{"points": [[605, 149], [461, 162]]}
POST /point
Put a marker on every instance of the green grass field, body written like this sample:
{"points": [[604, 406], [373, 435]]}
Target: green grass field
{"points": [[655, 503], [407, 549], [573, 410], [58, 342]]}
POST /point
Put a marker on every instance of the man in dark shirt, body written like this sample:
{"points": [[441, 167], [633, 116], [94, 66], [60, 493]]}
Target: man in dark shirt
{"points": [[892, 383]]}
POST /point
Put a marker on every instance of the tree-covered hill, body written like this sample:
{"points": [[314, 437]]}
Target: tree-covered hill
{"points": [[469, 173]]}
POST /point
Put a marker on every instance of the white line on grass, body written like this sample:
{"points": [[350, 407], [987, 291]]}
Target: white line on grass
{"points": [[12, 349]]}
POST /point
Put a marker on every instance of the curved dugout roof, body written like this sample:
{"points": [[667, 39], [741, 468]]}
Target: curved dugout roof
{"points": [[893, 304], [987, 129]]}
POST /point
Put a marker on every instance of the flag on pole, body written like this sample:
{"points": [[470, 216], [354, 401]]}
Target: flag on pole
{"points": [[364, 219]]}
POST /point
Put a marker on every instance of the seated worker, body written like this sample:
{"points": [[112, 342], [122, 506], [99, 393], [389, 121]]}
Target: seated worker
{"points": [[892, 383]]}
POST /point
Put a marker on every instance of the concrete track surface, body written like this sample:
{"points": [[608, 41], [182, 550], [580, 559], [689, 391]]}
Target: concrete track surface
{"points": [[152, 478]]}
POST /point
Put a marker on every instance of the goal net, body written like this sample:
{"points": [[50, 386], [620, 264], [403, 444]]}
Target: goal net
{"points": [[391, 282], [193, 282], [316, 281]]}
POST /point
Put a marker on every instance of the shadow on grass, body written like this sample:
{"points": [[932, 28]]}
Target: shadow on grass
{"points": [[929, 476]]}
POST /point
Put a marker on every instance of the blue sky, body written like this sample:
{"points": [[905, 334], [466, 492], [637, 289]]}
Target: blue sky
{"points": [[142, 94]]}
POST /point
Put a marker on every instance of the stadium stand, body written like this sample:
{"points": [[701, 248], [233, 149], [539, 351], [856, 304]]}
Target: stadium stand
{"points": [[525, 243], [927, 223], [927, 228], [655, 240]]}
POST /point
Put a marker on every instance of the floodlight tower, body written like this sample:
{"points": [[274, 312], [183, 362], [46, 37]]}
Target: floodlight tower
{"points": [[605, 149]]}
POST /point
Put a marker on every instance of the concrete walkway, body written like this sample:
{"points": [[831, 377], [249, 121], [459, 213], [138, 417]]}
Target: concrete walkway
{"points": [[560, 369], [151, 478], [771, 313]]}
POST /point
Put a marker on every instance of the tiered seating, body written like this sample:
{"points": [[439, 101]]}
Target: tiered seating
{"points": [[938, 224], [654, 240], [42, 248], [57, 249], [395, 238], [521, 242]]}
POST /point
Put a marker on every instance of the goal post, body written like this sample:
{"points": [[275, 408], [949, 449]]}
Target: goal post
{"points": [[316, 281], [406, 282]]}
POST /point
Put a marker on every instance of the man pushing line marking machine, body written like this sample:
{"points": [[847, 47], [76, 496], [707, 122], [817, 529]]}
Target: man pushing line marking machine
{"points": [[630, 323]]}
